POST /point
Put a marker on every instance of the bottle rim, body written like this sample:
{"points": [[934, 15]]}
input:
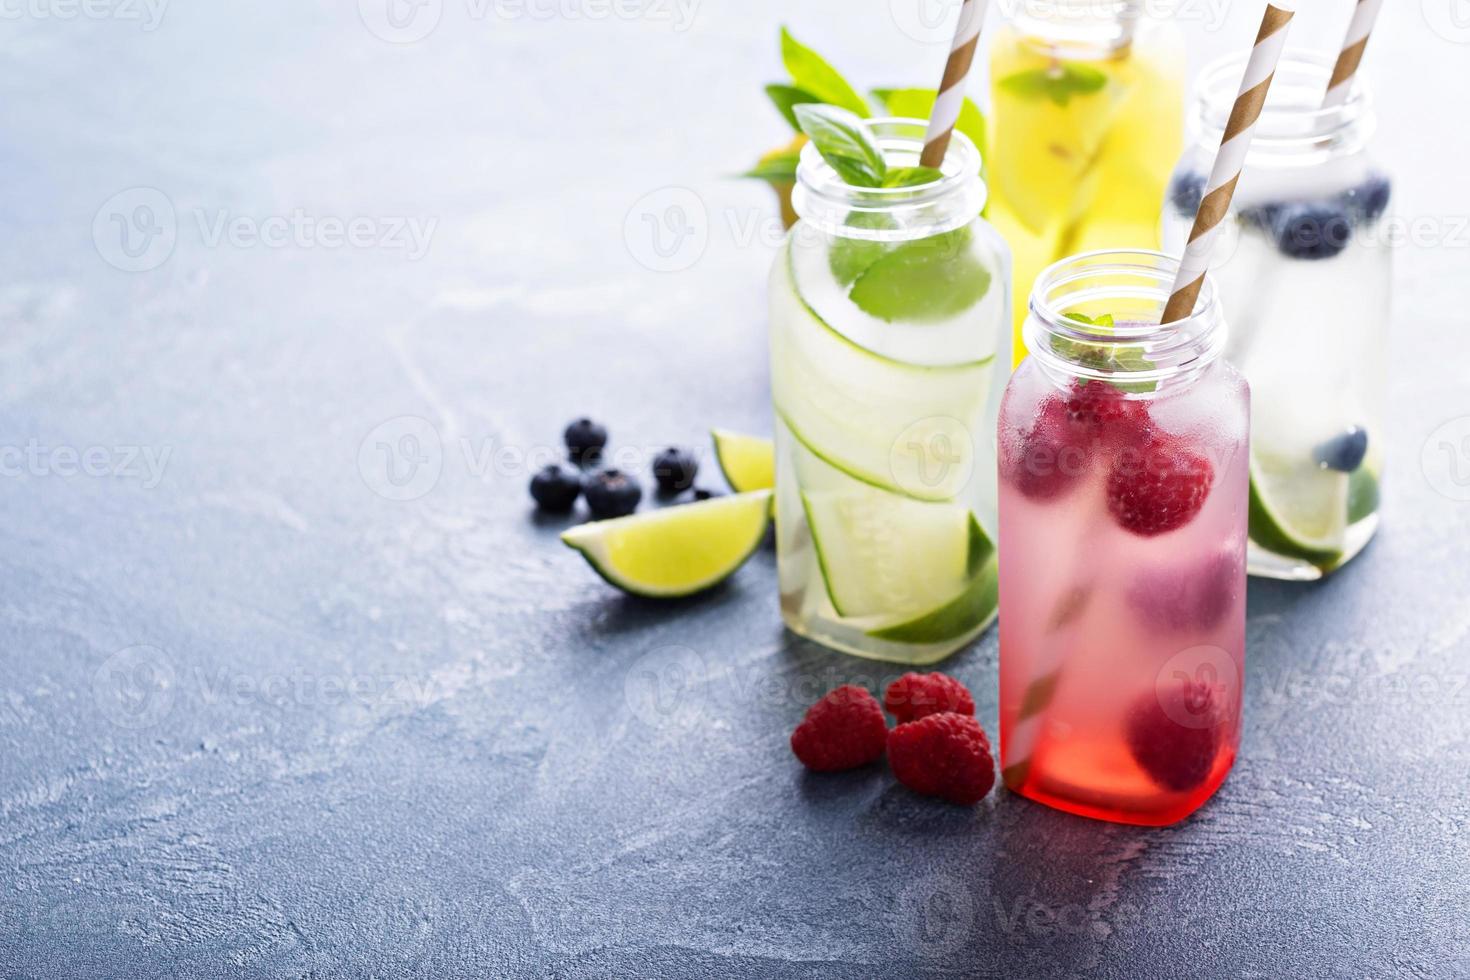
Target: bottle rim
{"points": [[1293, 120], [822, 198], [1140, 282]]}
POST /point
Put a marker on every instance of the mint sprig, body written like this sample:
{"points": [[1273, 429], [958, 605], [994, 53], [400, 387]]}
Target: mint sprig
{"points": [[811, 73], [1058, 82], [845, 143], [1126, 359]]}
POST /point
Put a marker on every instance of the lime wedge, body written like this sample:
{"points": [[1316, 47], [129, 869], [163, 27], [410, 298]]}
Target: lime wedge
{"points": [[675, 551], [1298, 509], [1362, 494], [748, 462], [967, 613], [884, 553]]}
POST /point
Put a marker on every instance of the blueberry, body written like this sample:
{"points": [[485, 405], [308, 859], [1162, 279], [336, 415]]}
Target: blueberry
{"points": [[585, 439], [1186, 189], [1311, 231], [700, 493], [556, 488], [612, 493], [674, 469], [1262, 216], [1343, 452], [1369, 199]]}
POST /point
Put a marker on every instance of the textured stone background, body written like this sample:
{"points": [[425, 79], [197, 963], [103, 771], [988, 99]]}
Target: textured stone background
{"points": [[258, 717]]}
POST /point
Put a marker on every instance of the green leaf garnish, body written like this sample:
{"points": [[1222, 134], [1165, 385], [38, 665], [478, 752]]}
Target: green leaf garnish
{"points": [[911, 176], [924, 280], [849, 258], [918, 103], [1058, 82], [787, 97], [811, 73], [844, 142], [778, 169], [1110, 358]]}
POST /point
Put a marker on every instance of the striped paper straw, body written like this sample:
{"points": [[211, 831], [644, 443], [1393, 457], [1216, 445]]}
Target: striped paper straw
{"points": [[951, 94], [1236, 140], [1019, 745], [1352, 52]]}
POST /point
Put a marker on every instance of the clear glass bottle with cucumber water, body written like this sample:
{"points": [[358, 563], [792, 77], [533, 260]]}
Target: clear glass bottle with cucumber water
{"points": [[1086, 114], [1305, 268], [890, 345]]}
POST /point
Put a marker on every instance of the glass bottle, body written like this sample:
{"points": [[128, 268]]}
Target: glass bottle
{"points": [[1086, 113], [1306, 268], [890, 342], [1123, 458]]}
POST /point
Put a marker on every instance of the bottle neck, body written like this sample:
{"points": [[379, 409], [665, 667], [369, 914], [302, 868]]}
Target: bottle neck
{"points": [[831, 206], [1095, 316], [1079, 30], [1294, 129]]}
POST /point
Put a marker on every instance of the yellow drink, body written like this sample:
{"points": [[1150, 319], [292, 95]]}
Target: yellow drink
{"points": [[1083, 131]]}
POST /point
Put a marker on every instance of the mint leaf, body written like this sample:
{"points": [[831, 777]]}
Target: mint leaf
{"points": [[844, 142], [849, 258], [779, 169], [1058, 82], [911, 176], [1103, 358], [924, 280], [918, 103], [810, 72], [787, 97]]}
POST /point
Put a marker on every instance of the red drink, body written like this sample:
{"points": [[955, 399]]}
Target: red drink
{"points": [[1123, 503]]}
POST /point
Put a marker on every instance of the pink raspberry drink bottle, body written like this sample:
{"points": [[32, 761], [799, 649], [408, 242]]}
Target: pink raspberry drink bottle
{"points": [[1124, 471]]}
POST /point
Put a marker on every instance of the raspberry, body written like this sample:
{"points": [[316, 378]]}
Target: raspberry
{"points": [[914, 696], [1047, 461], [1158, 487], [1097, 409], [1193, 595], [1177, 756], [945, 755], [844, 730]]}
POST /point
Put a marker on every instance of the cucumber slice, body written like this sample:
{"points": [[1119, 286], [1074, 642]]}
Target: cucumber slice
{"points": [[967, 613]]}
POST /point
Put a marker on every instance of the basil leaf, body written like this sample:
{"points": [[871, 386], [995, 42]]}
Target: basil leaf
{"points": [[925, 280], [1059, 82], [811, 73], [918, 103], [787, 97], [844, 142], [911, 176]]}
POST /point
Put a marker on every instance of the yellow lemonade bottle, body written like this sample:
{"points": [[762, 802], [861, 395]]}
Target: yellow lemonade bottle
{"points": [[1086, 113]]}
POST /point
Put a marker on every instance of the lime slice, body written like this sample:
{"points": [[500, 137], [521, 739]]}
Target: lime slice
{"points": [[675, 551], [883, 553], [1298, 509], [967, 613], [1362, 494], [748, 462]]}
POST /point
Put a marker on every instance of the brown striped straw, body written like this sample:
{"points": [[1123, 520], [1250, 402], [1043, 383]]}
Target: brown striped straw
{"points": [[951, 94], [1234, 143], [1364, 14]]}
